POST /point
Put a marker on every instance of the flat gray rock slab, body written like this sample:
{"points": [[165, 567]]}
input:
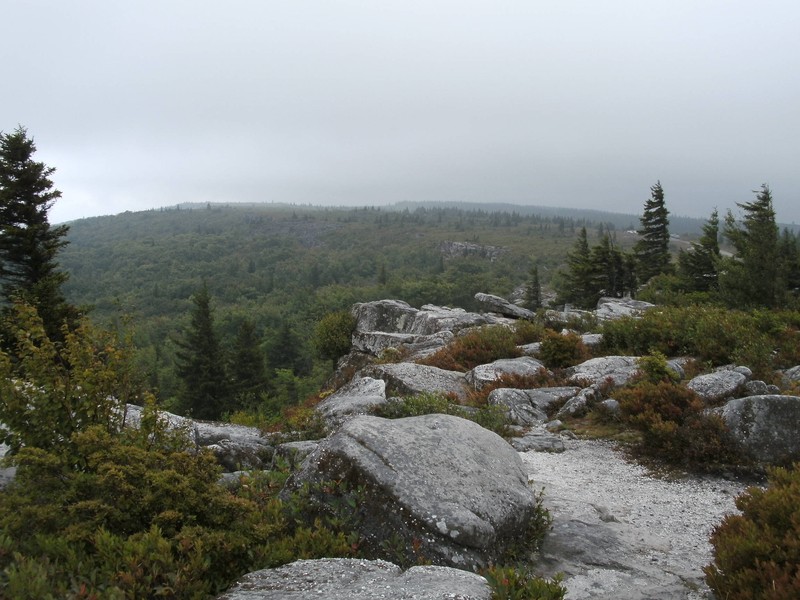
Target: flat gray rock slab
{"points": [[410, 378], [596, 371], [354, 579], [716, 386], [766, 427], [483, 375], [439, 481], [355, 398]]}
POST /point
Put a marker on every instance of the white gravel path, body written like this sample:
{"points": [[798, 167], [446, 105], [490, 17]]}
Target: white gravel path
{"points": [[622, 533]]}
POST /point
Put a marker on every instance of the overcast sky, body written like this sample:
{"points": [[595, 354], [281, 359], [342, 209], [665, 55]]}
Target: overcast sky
{"points": [[550, 102]]}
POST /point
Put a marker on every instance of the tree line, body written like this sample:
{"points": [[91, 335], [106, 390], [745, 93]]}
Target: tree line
{"points": [[762, 268]]}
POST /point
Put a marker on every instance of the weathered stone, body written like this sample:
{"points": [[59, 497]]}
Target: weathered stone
{"points": [[451, 249], [391, 316], [235, 446], [483, 375], [756, 388], [615, 308], [716, 386], [617, 369], [579, 405], [453, 488], [592, 339], [531, 349], [410, 378], [356, 398], [355, 579], [766, 427], [501, 306], [538, 441], [294, 453], [518, 406], [610, 406], [528, 407], [792, 375]]}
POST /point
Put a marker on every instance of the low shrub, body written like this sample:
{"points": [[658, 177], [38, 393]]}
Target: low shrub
{"points": [[674, 425], [477, 347], [761, 340], [757, 552], [559, 351], [527, 332], [508, 583], [493, 418]]}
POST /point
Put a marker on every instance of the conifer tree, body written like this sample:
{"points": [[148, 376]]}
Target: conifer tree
{"points": [[28, 243], [247, 372], [752, 277], [652, 249], [699, 266], [577, 287], [205, 393], [533, 290]]}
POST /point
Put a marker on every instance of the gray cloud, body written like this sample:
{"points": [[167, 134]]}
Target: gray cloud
{"points": [[569, 103]]}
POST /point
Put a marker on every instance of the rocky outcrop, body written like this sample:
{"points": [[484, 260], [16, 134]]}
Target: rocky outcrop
{"points": [[355, 398], [616, 369], [609, 309], [6, 473], [767, 428], [483, 375], [719, 385], [529, 407], [461, 249], [395, 324], [792, 376], [235, 446], [538, 440], [410, 378], [355, 579], [442, 484], [501, 306]]}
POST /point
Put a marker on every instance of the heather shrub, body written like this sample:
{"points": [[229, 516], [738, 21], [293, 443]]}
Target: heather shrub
{"points": [[527, 332], [673, 425], [757, 552], [562, 350], [477, 347]]}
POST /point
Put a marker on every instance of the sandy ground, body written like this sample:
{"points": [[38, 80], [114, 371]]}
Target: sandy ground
{"points": [[620, 532]]}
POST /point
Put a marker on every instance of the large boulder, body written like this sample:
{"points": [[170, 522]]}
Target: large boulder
{"points": [[719, 385], [617, 369], [483, 375], [235, 446], [384, 324], [442, 488], [355, 579], [792, 376], [501, 306], [355, 398], [766, 427], [529, 407], [609, 309], [411, 378]]}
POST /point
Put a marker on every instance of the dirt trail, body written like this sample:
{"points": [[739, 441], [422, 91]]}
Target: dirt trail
{"points": [[621, 533]]}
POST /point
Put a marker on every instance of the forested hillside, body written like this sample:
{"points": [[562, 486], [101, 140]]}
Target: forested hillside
{"points": [[283, 267]]}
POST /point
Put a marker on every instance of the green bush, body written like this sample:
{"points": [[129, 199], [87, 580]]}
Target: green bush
{"points": [[493, 418], [508, 583], [478, 347], [757, 552], [761, 340], [562, 350]]}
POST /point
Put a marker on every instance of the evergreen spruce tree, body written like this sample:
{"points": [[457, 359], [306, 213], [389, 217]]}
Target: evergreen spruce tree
{"points": [[652, 249], [577, 287], [699, 266], [205, 393], [789, 253], [247, 372], [533, 290], [607, 269], [28, 243], [751, 279]]}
